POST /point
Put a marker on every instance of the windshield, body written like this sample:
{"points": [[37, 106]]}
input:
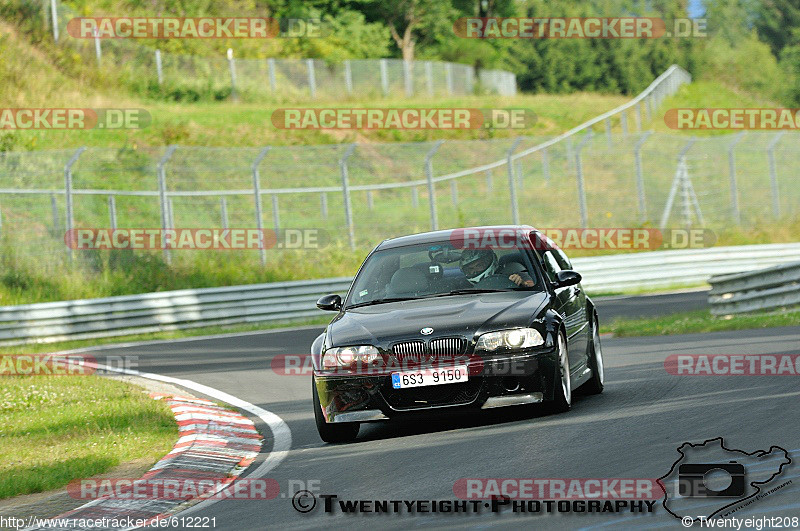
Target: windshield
{"points": [[440, 269]]}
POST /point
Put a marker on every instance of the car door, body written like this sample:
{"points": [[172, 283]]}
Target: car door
{"points": [[571, 302], [580, 309]]}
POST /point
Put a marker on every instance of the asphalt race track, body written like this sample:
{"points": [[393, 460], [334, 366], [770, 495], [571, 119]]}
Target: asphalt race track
{"points": [[632, 430]]}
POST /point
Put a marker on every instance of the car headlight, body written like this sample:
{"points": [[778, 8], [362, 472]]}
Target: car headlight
{"points": [[348, 356], [515, 339]]}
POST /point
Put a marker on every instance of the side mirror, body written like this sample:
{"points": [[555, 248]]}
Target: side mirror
{"points": [[331, 303], [567, 277]]}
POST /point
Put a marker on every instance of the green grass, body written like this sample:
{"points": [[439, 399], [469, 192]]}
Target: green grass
{"points": [[29, 78], [33, 265], [28, 277], [59, 428], [698, 322]]}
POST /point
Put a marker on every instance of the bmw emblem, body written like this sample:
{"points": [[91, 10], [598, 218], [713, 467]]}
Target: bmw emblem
{"points": [[426, 331]]}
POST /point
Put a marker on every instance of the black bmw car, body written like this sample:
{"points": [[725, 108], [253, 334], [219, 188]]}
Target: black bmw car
{"points": [[476, 318]]}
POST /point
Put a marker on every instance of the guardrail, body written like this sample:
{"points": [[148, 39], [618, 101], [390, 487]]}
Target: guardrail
{"points": [[763, 289], [280, 301]]}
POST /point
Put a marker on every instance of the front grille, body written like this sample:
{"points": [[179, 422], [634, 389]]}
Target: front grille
{"points": [[447, 348], [409, 352], [433, 396]]}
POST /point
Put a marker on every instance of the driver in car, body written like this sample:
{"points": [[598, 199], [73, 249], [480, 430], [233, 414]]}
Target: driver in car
{"points": [[478, 264]]}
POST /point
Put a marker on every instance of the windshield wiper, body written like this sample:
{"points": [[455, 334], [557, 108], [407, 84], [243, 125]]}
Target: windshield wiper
{"points": [[381, 301], [475, 290]]}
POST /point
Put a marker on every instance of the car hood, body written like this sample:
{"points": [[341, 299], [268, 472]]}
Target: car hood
{"points": [[463, 315]]}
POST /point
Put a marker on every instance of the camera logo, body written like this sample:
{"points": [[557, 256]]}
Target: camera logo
{"points": [[709, 480], [700, 480]]}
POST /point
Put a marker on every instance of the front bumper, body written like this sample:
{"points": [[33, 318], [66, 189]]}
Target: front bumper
{"points": [[511, 379]]}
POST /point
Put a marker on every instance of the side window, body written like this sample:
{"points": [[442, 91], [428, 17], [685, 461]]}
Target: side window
{"points": [[562, 259], [551, 266]]}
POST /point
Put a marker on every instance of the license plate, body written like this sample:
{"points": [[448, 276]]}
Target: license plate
{"points": [[430, 376]]}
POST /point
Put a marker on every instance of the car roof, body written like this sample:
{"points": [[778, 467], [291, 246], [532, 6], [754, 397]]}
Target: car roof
{"points": [[442, 235]]}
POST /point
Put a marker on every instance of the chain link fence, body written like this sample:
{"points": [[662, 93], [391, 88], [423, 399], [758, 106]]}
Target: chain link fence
{"points": [[607, 172], [360, 194], [223, 77]]}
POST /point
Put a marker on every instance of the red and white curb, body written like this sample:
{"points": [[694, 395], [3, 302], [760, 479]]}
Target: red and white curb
{"points": [[215, 444]]}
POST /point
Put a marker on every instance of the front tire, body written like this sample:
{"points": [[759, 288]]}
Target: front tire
{"points": [[596, 384], [332, 433], [562, 396]]}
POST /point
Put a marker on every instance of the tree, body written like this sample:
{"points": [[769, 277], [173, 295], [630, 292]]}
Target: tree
{"points": [[778, 24], [410, 21]]}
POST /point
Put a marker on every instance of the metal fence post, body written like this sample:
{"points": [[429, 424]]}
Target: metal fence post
{"points": [[414, 197], [512, 189], [570, 151], [639, 117], [312, 80], [54, 211], [271, 74], [232, 67], [429, 77], [68, 191], [737, 217], [384, 77], [162, 196], [623, 119], [370, 203], [488, 181], [54, 18], [448, 77], [112, 212], [546, 165], [276, 215], [454, 192], [773, 174], [608, 131], [348, 78], [259, 207], [581, 188], [159, 68], [637, 157], [680, 181], [431, 188], [407, 79], [223, 208], [348, 213], [324, 204], [97, 51]]}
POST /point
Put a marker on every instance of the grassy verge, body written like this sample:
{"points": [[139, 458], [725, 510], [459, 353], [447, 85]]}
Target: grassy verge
{"points": [[56, 429], [28, 275], [697, 322]]}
